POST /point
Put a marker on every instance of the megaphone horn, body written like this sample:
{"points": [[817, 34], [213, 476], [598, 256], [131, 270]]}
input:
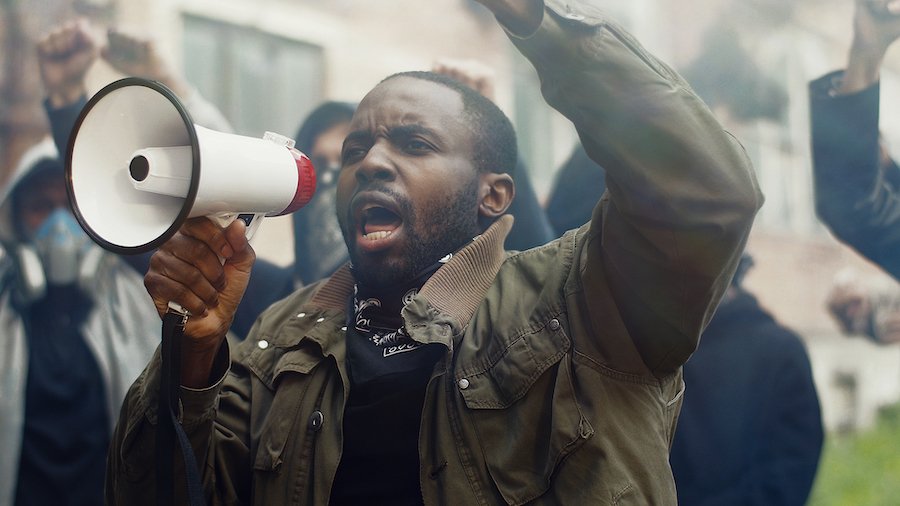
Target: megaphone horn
{"points": [[137, 167]]}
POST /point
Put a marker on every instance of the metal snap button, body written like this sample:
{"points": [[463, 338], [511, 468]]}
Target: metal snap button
{"points": [[463, 384], [554, 325], [320, 320], [301, 315], [316, 420], [263, 344]]}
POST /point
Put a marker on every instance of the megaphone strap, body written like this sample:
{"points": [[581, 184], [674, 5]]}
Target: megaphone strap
{"points": [[168, 426]]}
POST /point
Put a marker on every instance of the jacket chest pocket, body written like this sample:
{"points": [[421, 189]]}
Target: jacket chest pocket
{"points": [[524, 410]]}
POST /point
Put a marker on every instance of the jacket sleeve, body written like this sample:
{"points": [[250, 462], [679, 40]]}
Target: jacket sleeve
{"points": [[681, 191], [856, 196], [62, 121], [216, 420]]}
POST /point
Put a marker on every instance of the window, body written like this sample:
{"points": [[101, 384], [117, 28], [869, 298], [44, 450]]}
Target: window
{"points": [[258, 80]]}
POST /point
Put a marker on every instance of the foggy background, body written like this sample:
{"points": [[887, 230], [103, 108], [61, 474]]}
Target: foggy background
{"points": [[266, 63]]}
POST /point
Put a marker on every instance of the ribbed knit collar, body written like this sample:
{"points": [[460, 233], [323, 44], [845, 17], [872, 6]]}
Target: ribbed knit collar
{"points": [[457, 288]]}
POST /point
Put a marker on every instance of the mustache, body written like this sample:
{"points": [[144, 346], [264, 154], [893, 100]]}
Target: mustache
{"points": [[379, 187], [404, 205]]}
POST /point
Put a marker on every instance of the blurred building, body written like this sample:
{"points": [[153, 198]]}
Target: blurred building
{"points": [[266, 63]]}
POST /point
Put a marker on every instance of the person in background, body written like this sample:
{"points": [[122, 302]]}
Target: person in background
{"points": [[856, 187], [441, 369], [750, 431], [66, 53], [319, 247], [76, 332], [578, 184]]}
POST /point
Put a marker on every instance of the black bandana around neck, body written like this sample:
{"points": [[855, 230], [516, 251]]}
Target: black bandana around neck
{"points": [[377, 340]]}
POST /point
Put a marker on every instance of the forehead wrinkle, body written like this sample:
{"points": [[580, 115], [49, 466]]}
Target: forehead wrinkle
{"points": [[408, 125], [409, 101]]}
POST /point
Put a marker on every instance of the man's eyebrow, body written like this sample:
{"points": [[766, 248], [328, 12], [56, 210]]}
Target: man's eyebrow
{"points": [[395, 132], [412, 129], [357, 136]]}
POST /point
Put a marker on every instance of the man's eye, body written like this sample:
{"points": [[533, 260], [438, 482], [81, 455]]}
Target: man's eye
{"points": [[352, 154], [415, 145]]}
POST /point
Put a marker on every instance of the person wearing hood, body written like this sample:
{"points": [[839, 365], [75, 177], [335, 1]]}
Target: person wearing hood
{"points": [[319, 248], [76, 332]]}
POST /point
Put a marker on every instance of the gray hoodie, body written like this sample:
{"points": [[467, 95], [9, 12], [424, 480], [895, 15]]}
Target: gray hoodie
{"points": [[122, 330]]}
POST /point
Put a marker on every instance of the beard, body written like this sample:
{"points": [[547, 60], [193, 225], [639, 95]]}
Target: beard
{"points": [[430, 236]]}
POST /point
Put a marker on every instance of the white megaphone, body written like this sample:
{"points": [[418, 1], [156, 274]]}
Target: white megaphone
{"points": [[137, 167]]}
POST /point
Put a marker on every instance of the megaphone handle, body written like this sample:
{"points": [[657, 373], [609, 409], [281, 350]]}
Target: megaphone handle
{"points": [[252, 220]]}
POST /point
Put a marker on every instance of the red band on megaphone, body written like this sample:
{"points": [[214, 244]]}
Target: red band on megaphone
{"points": [[306, 183]]}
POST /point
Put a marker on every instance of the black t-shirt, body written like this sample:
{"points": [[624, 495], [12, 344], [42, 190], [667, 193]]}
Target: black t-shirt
{"points": [[389, 373], [66, 430]]}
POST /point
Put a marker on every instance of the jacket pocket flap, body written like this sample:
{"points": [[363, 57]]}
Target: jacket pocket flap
{"points": [[269, 362], [508, 377], [281, 423]]}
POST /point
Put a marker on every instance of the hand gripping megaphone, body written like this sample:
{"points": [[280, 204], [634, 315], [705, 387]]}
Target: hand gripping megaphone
{"points": [[137, 167]]}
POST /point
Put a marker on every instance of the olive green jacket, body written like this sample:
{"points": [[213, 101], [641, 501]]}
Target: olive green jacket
{"points": [[561, 380]]}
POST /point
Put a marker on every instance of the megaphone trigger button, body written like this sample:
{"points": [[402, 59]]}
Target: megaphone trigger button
{"points": [[247, 218]]}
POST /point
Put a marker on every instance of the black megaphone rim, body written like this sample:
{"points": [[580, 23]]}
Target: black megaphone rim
{"points": [[195, 168]]}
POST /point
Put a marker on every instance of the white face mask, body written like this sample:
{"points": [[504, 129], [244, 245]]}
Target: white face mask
{"points": [[61, 245]]}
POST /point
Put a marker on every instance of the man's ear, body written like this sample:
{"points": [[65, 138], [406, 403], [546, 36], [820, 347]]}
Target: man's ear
{"points": [[496, 192]]}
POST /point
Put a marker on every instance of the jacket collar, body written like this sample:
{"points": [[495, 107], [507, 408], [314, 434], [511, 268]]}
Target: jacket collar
{"points": [[456, 289], [441, 309]]}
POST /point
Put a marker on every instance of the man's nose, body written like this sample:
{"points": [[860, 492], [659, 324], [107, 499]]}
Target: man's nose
{"points": [[377, 165]]}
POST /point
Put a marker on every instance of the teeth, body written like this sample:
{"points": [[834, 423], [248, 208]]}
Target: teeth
{"points": [[374, 236]]}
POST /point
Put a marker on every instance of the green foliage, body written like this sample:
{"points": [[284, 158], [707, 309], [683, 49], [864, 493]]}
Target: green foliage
{"points": [[861, 468]]}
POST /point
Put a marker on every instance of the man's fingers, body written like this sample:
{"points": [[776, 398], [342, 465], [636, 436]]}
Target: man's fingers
{"points": [[197, 251], [205, 230], [237, 250], [201, 273], [164, 290]]}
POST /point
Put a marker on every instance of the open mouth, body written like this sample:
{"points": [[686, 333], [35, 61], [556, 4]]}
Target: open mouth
{"points": [[378, 219], [378, 223]]}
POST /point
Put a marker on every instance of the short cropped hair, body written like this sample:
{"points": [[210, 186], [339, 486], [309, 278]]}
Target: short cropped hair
{"points": [[494, 145]]}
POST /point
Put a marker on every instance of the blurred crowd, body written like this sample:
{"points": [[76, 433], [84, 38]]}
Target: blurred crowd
{"points": [[79, 326]]}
